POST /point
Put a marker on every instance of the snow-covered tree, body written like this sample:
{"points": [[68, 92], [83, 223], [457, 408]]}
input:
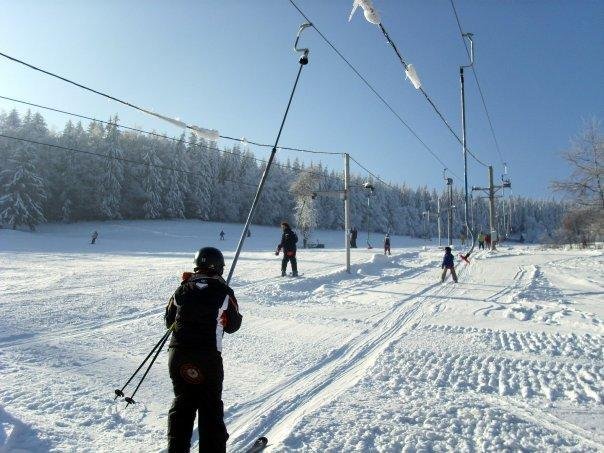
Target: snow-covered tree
{"points": [[174, 198], [152, 183], [22, 193], [304, 189], [112, 178], [220, 184]]}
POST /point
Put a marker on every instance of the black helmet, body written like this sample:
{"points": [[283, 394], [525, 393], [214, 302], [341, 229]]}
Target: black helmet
{"points": [[209, 259]]}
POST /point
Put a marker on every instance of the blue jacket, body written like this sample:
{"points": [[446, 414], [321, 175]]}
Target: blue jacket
{"points": [[448, 261]]}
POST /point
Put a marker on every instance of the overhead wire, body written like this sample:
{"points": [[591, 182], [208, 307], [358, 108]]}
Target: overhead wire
{"points": [[428, 98], [155, 134], [484, 104], [371, 173], [149, 112], [375, 92], [221, 136]]}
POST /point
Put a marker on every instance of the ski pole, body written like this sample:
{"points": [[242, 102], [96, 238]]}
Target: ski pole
{"points": [[303, 61], [130, 400], [120, 392]]}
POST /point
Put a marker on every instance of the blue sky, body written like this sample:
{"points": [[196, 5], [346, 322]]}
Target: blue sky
{"points": [[230, 65]]}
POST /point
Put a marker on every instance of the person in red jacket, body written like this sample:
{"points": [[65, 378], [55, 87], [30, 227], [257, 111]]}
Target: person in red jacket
{"points": [[202, 308]]}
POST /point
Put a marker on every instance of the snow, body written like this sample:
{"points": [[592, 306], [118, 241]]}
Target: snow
{"points": [[383, 359]]}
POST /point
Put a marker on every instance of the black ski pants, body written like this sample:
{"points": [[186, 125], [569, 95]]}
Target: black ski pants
{"points": [[289, 258], [197, 381]]}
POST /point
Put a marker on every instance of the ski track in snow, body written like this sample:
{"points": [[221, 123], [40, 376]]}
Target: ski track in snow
{"points": [[385, 359], [313, 388]]}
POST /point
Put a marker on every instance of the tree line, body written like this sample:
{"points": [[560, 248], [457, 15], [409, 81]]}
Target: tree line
{"points": [[123, 174]]}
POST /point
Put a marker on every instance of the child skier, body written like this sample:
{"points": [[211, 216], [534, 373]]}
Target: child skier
{"points": [[221, 235], [448, 264], [94, 236]]}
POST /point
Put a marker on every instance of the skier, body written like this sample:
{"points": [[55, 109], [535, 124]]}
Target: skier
{"points": [[221, 235], [387, 244], [463, 238], [201, 310], [448, 264], [480, 239], [94, 236], [487, 240], [288, 244], [353, 237], [248, 233]]}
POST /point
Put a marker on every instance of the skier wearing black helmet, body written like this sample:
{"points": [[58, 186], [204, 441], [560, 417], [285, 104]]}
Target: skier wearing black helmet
{"points": [[202, 308]]}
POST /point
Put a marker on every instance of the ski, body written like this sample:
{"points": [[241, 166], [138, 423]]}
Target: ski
{"points": [[259, 445]]}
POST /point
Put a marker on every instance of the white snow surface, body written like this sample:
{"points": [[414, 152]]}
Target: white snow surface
{"points": [[385, 359]]}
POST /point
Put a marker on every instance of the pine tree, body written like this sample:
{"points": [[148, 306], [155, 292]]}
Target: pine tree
{"points": [[23, 193], [174, 206], [152, 183], [112, 178], [306, 214]]}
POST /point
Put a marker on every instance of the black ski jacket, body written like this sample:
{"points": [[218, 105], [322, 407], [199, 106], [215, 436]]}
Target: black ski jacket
{"points": [[202, 308], [288, 241]]}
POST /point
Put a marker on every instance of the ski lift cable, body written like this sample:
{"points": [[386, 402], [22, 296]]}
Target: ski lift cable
{"points": [[418, 86], [484, 104], [371, 173], [379, 179], [428, 98], [285, 148], [196, 129], [154, 134], [209, 134], [366, 82], [123, 159]]}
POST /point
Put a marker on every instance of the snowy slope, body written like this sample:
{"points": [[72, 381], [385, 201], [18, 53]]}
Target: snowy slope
{"points": [[384, 359]]}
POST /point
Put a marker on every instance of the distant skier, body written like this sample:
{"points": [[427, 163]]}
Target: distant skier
{"points": [[448, 263], [487, 240], [480, 239], [248, 233], [462, 238], [94, 236], [201, 310], [221, 235], [387, 244], [289, 239], [353, 237]]}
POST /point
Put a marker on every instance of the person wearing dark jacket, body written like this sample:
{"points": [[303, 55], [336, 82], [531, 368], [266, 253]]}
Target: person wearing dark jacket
{"points": [[202, 308], [353, 237], [448, 263], [387, 244], [289, 239]]}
